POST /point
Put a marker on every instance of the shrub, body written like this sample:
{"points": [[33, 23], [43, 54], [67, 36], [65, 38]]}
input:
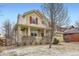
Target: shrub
{"points": [[55, 41], [24, 40]]}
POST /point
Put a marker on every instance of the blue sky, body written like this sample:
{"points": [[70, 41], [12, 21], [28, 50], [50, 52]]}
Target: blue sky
{"points": [[10, 11], [73, 11]]}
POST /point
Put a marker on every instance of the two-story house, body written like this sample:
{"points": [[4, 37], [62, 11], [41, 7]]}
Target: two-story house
{"points": [[32, 23]]}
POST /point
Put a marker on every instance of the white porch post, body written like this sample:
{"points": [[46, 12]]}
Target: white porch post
{"points": [[44, 32], [18, 40], [25, 32], [29, 31]]}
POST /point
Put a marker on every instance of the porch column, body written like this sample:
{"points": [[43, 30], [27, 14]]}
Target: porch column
{"points": [[44, 32], [19, 31], [18, 40], [25, 32], [29, 31]]}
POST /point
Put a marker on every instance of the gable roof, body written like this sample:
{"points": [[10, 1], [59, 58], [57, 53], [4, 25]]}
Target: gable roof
{"points": [[37, 12]]}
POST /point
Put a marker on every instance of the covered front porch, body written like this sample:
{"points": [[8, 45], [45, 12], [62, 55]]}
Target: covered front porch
{"points": [[34, 33]]}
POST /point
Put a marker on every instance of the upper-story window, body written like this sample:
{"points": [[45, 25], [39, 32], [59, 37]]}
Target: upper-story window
{"points": [[33, 20]]}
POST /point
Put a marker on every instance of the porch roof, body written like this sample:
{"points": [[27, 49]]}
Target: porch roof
{"points": [[26, 26]]}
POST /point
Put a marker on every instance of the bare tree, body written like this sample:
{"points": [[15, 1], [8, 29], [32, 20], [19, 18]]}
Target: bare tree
{"points": [[58, 16], [7, 30], [77, 24]]}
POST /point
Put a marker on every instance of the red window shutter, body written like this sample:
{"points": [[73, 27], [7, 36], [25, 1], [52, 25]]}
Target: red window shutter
{"points": [[30, 19], [36, 20]]}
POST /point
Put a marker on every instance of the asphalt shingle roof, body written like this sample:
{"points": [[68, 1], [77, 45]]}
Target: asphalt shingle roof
{"points": [[73, 30]]}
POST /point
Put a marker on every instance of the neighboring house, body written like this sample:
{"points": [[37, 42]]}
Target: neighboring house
{"points": [[59, 36], [71, 35], [32, 23]]}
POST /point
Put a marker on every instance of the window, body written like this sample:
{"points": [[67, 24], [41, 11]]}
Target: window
{"points": [[42, 34], [22, 29], [33, 20], [33, 33]]}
